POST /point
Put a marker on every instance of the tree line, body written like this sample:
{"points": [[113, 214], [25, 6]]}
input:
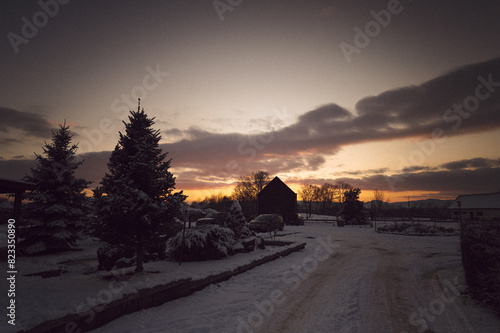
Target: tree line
{"points": [[340, 199], [245, 192], [327, 199]]}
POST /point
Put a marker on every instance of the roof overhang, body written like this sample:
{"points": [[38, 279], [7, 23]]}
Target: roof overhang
{"points": [[15, 186]]}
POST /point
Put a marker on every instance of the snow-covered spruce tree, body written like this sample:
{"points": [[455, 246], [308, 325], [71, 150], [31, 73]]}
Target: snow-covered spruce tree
{"points": [[58, 203], [136, 204]]}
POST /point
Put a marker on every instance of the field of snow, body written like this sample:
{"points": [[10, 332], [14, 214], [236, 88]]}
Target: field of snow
{"points": [[347, 279]]}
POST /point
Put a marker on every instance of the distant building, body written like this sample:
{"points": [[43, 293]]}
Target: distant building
{"points": [[476, 207], [277, 198]]}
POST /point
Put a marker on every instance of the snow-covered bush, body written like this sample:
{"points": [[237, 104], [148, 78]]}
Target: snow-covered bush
{"points": [[108, 255], [204, 243], [191, 214], [212, 241], [250, 243]]}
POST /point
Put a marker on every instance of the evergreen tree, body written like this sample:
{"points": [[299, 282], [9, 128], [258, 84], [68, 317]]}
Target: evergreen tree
{"points": [[236, 220], [352, 210], [136, 205], [58, 202]]}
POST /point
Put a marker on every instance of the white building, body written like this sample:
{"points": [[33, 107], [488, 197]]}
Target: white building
{"points": [[476, 207]]}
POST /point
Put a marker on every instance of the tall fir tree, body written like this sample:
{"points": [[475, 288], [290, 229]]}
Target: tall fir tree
{"points": [[58, 203], [136, 203]]}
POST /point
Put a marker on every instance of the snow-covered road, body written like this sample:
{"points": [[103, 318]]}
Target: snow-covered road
{"points": [[379, 283], [346, 280]]}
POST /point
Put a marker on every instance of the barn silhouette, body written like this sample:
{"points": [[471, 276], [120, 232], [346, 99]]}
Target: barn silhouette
{"points": [[277, 198]]}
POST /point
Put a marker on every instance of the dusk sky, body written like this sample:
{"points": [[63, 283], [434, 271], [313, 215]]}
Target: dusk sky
{"points": [[400, 96]]}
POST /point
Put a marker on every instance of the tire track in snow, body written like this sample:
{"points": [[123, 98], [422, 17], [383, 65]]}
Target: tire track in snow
{"points": [[330, 300]]}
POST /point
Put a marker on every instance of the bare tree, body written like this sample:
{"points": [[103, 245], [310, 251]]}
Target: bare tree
{"points": [[321, 197], [244, 191], [248, 186], [327, 194], [341, 188], [260, 179], [307, 194], [379, 204]]}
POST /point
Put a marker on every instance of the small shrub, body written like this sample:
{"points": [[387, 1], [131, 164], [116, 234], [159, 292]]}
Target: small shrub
{"points": [[108, 255], [204, 243], [418, 228]]}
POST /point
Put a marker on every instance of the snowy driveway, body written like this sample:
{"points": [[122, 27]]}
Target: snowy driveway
{"points": [[346, 280]]}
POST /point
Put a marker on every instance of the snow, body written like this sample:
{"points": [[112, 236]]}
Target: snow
{"points": [[80, 288], [348, 279]]}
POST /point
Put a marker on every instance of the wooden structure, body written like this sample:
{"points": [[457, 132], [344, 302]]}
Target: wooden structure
{"points": [[277, 198], [17, 188]]}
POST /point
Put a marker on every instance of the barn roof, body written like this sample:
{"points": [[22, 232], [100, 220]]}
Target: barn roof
{"points": [[276, 183], [477, 201]]}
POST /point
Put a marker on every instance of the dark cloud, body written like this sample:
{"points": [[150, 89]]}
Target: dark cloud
{"points": [[395, 114], [454, 181], [31, 123], [9, 141], [366, 172], [445, 182], [328, 114], [471, 163], [214, 158], [463, 101], [174, 134], [417, 168]]}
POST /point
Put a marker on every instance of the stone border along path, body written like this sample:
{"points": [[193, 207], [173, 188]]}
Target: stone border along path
{"points": [[147, 298]]}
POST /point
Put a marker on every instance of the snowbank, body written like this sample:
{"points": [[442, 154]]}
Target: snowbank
{"points": [[72, 300], [418, 229]]}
